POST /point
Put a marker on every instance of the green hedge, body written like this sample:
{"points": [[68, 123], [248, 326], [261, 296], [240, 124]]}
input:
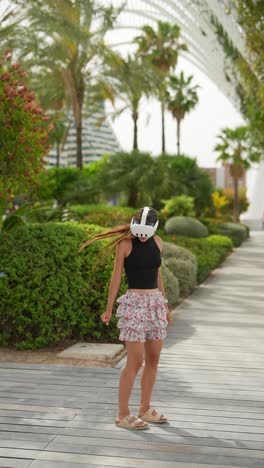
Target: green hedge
{"points": [[210, 252], [185, 226], [50, 292], [235, 231], [183, 265], [103, 215], [171, 285]]}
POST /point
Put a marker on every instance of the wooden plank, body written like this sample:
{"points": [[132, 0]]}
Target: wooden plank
{"points": [[210, 384]]}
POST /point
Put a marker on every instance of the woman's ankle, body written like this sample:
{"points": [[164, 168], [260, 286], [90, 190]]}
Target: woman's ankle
{"points": [[143, 409], [123, 414]]}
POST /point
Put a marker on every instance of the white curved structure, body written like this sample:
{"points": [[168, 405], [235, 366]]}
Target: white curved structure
{"points": [[195, 19], [254, 217], [198, 31]]}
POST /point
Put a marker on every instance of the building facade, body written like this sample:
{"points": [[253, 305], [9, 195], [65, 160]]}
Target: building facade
{"points": [[98, 138], [222, 178]]}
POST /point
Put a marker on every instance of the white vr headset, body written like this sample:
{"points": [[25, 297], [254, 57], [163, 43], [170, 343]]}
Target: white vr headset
{"points": [[141, 229]]}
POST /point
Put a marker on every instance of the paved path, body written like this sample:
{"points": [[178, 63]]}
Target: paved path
{"points": [[210, 385]]}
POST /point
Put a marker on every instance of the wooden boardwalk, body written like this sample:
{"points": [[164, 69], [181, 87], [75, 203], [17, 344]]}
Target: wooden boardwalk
{"points": [[211, 385]]}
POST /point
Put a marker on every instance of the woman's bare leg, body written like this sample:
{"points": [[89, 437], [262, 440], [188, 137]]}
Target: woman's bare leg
{"points": [[152, 354], [135, 354]]}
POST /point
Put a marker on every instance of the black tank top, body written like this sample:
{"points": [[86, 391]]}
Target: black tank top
{"points": [[142, 264]]}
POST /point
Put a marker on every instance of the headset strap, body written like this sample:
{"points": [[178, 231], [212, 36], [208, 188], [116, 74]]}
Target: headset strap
{"points": [[144, 215]]}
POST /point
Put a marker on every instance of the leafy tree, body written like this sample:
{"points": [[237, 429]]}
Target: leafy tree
{"points": [[67, 38], [161, 47], [181, 99], [24, 131], [236, 149]]}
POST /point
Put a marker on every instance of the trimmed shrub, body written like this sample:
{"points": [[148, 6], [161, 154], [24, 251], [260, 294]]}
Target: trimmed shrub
{"points": [[103, 215], [183, 265], [212, 224], [50, 292], [209, 252], [171, 285], [237, 232], [215, 226], [185, 226]]}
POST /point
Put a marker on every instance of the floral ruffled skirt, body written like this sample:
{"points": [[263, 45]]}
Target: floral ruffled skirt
{"points": [[142, 316]]}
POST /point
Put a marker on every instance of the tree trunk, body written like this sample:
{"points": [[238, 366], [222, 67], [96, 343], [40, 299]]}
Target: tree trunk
{"points": [[135, 138], [77, 97], [163, 125], [57, 154], [236, 200], [132, 199], [78, 126], [178, 136]]}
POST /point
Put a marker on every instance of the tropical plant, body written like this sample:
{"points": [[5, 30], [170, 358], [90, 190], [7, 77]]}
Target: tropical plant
{"points": [[67, 38], [161, 47], [129, 176], [181, 205], [247, 69], [68, 185], [219, 201], [9, 21], [236, 149], [243, 200], [181, 99], [183, 176], [250, 17], [24, 131], [35, 213], [132, 78]]}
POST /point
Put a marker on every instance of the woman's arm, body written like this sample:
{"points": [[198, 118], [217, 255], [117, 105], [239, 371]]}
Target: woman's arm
{"points": [[161, 284], [114, 282], [162, 290], [160, 281]]}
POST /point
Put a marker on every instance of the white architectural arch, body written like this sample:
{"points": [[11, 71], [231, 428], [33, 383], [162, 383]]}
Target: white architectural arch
{"points": [[197, 31]]}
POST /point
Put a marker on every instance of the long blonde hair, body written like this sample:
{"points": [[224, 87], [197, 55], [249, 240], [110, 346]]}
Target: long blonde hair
{"points": [[121, 232]]}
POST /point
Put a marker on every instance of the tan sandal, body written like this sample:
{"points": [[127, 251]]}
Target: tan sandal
{"points": [[153, 416], [132, 423]]}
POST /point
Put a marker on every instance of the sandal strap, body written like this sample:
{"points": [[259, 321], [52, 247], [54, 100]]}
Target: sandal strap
{"points": [[153, 415]]}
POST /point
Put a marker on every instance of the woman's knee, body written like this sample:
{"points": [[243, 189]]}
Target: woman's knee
{"points": [[135, 356], [134, 363], [152, 359]]}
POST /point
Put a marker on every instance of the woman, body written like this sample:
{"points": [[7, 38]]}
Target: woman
{"points": [[143, 312]]}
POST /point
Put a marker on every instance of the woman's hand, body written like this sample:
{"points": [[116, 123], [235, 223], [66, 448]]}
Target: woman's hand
{"points": [[106, 317], [168, 317]]}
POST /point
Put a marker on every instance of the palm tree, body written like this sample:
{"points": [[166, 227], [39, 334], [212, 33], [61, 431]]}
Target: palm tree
{"points": [[129, 175], [67, 38], [8, 26], [182, 99], [161, 47], [236, 148], [132, 78]]}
